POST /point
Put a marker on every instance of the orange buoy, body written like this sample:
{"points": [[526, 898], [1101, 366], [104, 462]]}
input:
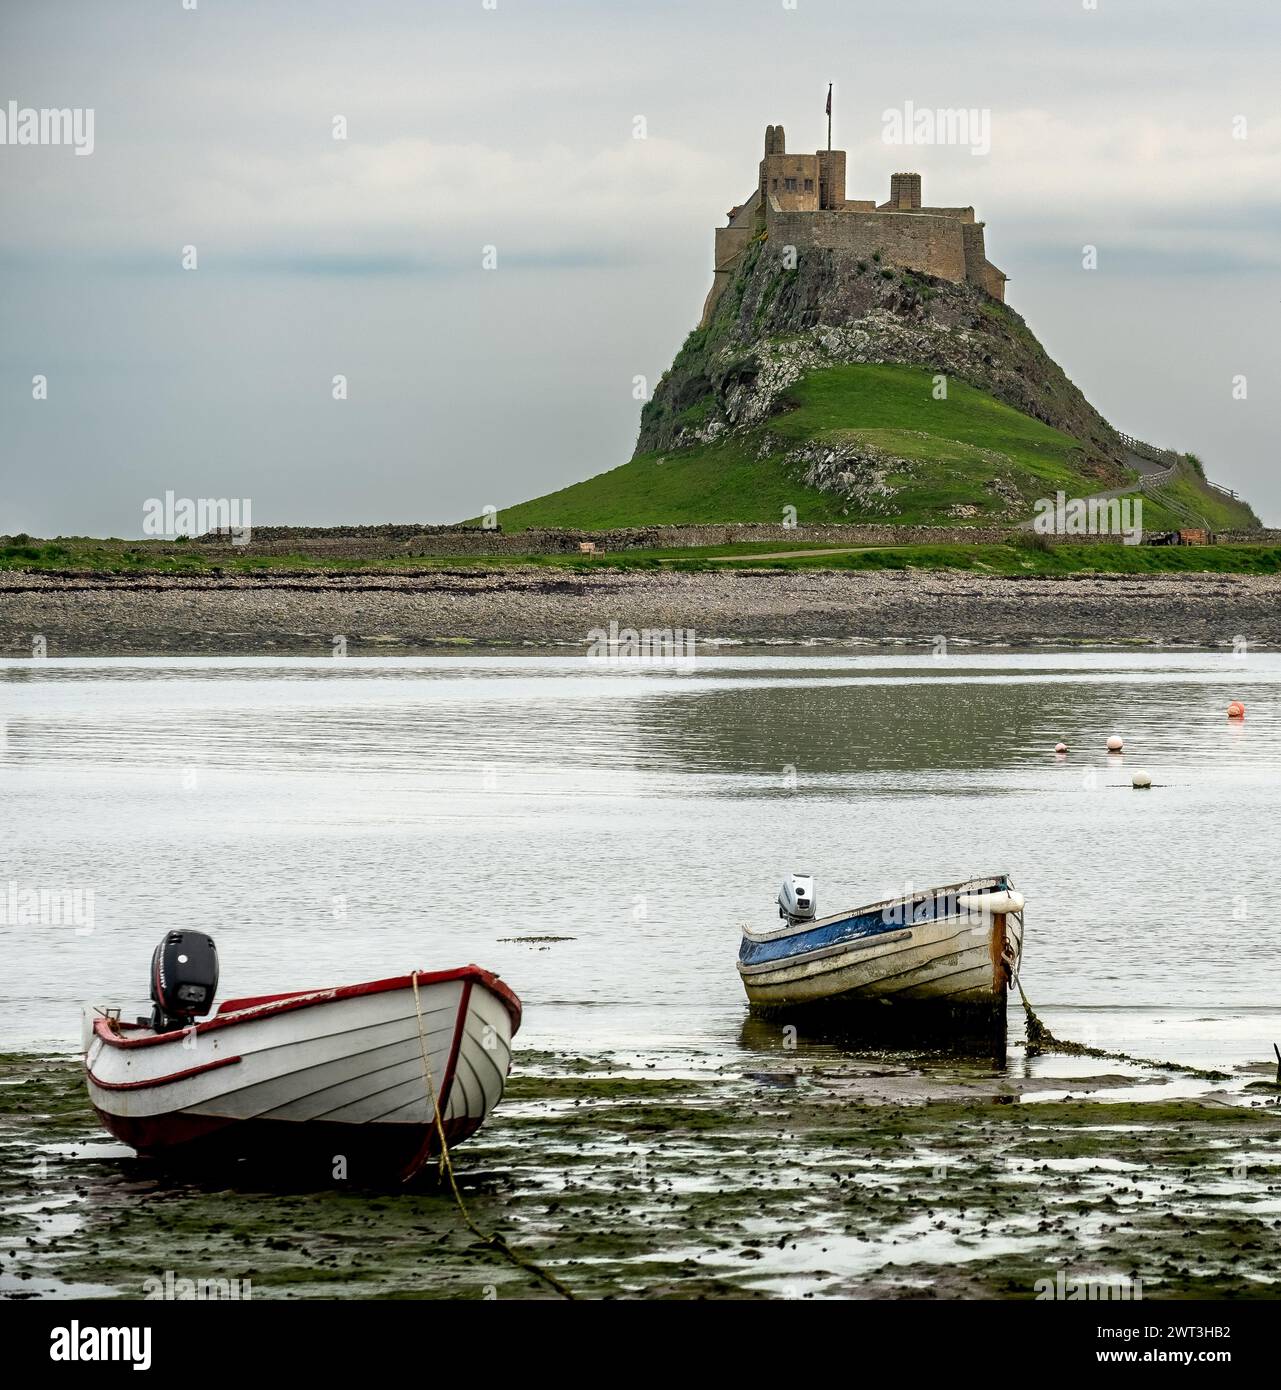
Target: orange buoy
{"points": [[1115, 744], [1236, 710]]}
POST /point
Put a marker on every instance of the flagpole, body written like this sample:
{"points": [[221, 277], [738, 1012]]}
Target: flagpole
{"points": [[829, 118]]}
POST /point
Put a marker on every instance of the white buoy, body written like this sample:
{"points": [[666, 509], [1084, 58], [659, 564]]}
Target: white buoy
{"points": [[1115, 744], [1060, 748], [1140, 779]]}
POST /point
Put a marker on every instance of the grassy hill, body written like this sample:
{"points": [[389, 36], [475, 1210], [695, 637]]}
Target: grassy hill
{"points": [[941, 457], [814, 387]]}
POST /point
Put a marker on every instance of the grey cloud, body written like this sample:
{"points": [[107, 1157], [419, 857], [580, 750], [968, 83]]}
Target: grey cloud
{"points": [[514, 127]]}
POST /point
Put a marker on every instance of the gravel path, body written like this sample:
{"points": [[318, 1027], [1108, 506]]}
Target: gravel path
{"points": [[106, 615]]}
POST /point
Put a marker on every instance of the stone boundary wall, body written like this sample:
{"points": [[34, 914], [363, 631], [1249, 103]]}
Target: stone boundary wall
{"points": [[387, 531], [474, 540], [445, 542], [392, 541]]}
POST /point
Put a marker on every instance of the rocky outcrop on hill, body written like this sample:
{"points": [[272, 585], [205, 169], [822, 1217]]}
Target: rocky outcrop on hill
{"points": [[774, 325]]}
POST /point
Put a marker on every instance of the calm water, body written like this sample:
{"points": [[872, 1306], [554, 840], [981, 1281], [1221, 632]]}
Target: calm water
{"points": [[330, 821]]}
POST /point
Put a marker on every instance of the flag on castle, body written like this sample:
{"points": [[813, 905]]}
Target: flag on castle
{"points": [[829, 98]]}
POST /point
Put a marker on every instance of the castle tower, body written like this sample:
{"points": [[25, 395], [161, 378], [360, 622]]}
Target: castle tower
{"points": [[905, 192], [831, 178], [789, 181]]}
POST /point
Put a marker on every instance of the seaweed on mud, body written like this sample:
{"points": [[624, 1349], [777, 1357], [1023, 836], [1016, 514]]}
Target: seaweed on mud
{"points": [[628, 1184]]}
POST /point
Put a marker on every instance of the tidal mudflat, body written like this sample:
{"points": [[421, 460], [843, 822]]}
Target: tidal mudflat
{"points": [[802, 1175]]}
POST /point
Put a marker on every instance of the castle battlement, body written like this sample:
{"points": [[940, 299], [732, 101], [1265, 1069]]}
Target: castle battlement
{"points": [[800, 201]]}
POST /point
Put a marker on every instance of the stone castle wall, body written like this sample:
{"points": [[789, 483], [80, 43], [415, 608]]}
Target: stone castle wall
{"points": [[918, 241], [975, 255], [731, 242]]}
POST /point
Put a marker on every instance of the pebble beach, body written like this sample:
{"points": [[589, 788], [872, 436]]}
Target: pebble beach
{"points": [[104, 615]]}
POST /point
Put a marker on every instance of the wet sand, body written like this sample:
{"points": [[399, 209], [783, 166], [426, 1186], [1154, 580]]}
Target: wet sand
{"points": [[794, 1174], [105, 615]]}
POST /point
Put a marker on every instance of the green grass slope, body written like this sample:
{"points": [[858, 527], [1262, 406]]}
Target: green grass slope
{"points": [[954, 449], [1188, 492], [1025, 555]]}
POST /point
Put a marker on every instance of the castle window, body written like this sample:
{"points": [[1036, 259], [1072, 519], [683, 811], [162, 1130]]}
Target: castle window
{"points": [[809, 185], [789, 185], [773, 183]]}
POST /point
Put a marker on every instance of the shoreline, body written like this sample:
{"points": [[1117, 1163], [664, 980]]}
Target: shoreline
{"points": [[392, 614], [807, 1174]]}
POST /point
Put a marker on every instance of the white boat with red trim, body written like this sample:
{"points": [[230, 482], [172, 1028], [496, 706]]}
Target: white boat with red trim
{"points": [[366, 1078]]}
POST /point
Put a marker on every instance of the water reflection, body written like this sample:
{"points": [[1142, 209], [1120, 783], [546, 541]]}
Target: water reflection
{"points": [[330, 820]]}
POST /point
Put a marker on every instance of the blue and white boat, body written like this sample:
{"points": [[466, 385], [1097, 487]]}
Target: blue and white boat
{"points": [[933, 964]]}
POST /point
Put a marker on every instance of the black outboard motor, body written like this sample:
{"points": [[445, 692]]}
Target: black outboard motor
{"points": [[184, 979]]}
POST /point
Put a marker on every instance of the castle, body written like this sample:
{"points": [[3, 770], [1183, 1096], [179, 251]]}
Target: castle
{"points": [[800, 201]]}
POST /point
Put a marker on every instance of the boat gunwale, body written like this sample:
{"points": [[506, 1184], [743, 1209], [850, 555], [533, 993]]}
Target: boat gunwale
{"points": [[858, 943], [273, 1005], [800, 928]]}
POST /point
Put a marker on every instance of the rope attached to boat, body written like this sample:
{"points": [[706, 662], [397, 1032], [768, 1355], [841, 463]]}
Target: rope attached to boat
{"points": [[1040, 1039], [493, 1240]]}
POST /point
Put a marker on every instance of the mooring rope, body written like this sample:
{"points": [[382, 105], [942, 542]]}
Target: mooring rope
{"points": [[493, 1239], [1040, 1039]]}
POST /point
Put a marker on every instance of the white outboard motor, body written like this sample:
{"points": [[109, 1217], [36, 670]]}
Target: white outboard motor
{"points": [[796, 899]]}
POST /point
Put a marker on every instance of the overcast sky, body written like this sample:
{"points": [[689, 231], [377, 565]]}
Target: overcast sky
{"points": [[512, 125]]}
